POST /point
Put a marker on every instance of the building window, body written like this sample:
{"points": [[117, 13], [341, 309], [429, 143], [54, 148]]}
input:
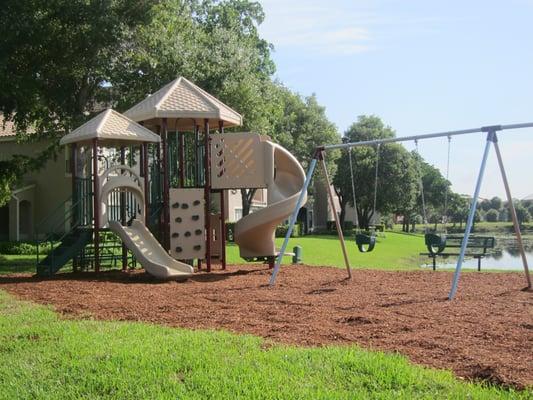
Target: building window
{"points": [[238, 214]]}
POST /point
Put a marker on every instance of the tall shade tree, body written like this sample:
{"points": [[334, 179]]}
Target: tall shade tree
{"points": [[433, 192], [55, 58], [396, 173], [59, 60]]}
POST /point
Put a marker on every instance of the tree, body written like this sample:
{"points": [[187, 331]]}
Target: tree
{"points": [[58, 59], [492, 215], [522, 214], [496, 203], [485, 205], [396, 173], [302, 127], [458, 209], [436, 190], [54, 58]]}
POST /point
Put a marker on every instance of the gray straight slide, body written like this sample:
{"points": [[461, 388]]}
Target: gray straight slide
{"points": [[150, 254]]}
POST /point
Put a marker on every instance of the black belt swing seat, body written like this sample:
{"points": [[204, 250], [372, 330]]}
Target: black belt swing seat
{"points": [[435, 243], [365, 242]]}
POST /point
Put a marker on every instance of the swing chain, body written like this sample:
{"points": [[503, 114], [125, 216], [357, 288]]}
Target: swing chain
{"points": [[419, 163], [353, 189], [445, 216], [376, 182]]}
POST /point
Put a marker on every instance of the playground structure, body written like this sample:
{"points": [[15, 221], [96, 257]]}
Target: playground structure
{"points": [[491, 138], [157, 201]]}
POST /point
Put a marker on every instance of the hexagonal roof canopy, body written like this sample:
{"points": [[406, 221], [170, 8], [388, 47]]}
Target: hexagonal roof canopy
{"points": [[182, 103], [110, 126]]}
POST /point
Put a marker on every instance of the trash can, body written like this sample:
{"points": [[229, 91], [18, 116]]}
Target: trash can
{"points": [[297, 257]]}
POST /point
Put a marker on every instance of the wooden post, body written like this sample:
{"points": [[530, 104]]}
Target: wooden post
{"points": [[335, 215], [512, 211], [207, 196], [166, 185], [96, 207]]}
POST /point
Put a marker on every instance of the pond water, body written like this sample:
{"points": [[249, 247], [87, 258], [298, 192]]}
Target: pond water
{"points": [[505, 256]]}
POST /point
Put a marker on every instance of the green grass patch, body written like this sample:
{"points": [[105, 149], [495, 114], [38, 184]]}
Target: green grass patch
{"points": [[45, 357], [394, 251], [10, 264]]}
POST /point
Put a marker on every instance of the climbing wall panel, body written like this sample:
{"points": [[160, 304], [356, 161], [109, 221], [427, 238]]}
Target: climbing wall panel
{"points": [[187, 224], [238, 161]]}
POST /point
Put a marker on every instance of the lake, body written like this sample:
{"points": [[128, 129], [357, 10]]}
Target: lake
{"points": [[505, 256]]}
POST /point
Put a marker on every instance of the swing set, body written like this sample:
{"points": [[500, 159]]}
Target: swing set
{"points": [[437, 242]]}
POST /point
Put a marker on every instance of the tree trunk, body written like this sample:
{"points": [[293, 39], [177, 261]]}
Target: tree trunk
{"points": [[246, 196], [342, 214], [364, 218]]}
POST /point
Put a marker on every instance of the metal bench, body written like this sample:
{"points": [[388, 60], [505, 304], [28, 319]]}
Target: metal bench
{"points": [[478, 248]]}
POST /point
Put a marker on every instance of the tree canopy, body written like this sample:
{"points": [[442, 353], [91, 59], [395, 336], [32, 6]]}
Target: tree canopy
{"points": [[396, 172], [60, 60]]}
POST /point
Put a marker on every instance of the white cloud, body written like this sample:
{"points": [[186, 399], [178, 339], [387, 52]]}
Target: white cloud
{"points": [[315, 26]]}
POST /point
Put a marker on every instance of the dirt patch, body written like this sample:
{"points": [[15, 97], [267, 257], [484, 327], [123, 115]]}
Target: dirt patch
{"points": [[484, 334]]}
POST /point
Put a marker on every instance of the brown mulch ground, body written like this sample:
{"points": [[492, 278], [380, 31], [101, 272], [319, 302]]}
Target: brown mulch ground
{"points": [[486, 333]]}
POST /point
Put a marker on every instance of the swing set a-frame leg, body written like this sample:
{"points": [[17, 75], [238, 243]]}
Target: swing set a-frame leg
{"points": [[335, 214]]}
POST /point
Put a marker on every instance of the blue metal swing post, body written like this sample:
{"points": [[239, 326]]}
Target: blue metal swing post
{"points": [[292, 221], [471, 214]]}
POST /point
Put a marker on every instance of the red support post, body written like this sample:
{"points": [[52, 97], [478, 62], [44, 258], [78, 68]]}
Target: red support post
{"points": [[222, 214], [166, 185], [181, 152], [222, 229], [146, 183], [75, 206], [123, 212], [158, 163], [207, 196], [96, 207]]}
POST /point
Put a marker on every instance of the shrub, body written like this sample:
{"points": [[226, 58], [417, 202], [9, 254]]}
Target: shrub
{"points": [[17, 248], [281, 230], [492, 215]]}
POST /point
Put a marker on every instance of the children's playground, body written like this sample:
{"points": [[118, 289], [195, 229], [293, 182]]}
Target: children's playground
{"points": [[148, 189]]}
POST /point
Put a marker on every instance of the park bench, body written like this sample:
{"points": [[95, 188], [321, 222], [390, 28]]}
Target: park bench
{"points": [[478, 247]]}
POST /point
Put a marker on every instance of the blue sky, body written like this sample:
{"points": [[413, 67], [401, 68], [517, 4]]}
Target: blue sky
{"points": [[422, 66]]}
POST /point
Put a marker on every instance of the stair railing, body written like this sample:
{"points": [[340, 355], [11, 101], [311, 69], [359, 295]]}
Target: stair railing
{"points": [[52, 237]]}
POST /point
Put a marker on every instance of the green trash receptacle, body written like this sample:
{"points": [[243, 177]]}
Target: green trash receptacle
{"points": [[297, 257]]}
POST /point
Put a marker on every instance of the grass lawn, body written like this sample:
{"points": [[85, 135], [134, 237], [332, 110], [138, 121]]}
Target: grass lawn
{"points": [[17, 263], [45, 357], [394, 251]]}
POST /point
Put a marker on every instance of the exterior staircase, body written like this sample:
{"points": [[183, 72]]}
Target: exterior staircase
{"points": [[69, 247]]}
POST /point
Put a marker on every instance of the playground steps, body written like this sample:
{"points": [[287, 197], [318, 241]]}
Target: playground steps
{"points": [[71, 245]]}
